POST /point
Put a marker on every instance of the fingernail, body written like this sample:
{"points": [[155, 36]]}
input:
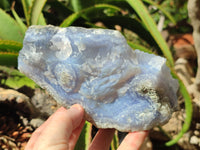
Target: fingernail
{"points": [[77, 106], [61, 109]]}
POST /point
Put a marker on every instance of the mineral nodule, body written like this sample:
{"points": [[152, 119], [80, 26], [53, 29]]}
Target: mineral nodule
{"points": [[118, 87]]}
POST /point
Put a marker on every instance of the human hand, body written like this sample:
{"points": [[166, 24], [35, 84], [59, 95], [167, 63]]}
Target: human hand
{"points": [[61, 132]]}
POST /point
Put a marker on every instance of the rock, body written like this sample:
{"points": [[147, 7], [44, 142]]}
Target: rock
{"points": [[36, 122], [118, 87], [184, 71], [44, 103], [25, 121], [194, 140], [15, 134], [196, 132], [15, 101]]}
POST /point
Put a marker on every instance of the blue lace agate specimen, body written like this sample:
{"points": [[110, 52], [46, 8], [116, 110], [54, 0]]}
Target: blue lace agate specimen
{"points": [[118, 87]]}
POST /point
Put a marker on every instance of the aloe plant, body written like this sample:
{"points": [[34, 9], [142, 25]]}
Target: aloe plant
{"points": [[12, 30]]}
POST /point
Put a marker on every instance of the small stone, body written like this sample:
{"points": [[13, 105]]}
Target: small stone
{"points": [[194, 140], [36, 122], [24, 120], [15, 134], [118, 87], [26, 135], [23, 145], [198, 126], [196, 133], [19, 101]]}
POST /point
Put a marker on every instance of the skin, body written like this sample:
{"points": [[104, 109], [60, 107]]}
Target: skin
{"points": [[62, 129]]}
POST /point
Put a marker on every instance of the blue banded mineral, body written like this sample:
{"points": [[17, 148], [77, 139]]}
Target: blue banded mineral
{"points": [[118, 87]]}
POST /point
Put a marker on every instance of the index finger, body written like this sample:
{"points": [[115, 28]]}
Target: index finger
{"points": [[58, 127]]}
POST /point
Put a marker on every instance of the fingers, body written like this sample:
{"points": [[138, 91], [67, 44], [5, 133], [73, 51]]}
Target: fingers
{"points": [[38, 131], [75, 135], [102, 139], [133, 140], [57, 129], [62, 129]]}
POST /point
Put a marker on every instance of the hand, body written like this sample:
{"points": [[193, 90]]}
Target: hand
{"points": [[61, 132]]}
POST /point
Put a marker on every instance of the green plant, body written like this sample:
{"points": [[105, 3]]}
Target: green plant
{"points": [[12, 78], [128, 14]]}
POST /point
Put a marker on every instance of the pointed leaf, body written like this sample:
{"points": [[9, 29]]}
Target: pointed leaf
{"points": [[69, 20], [85, 137], [188, 111], [8, 59], [168, 15], [19, 21], [140, 47], [41, 20], [16, 79], [10, 46], [9, 28], [115, 141], [79, 5], [36, 11], [142, 12], [9, 52], [27, 9]]}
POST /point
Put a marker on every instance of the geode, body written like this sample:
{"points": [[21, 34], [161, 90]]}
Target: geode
{"points": [[118, 87]]}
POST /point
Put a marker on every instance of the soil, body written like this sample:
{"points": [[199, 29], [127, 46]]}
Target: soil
{"points": [[23, 110]]}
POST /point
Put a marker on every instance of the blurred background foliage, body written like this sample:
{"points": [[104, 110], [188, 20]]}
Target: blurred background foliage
{"points": [[17, 15], [140, 21]]}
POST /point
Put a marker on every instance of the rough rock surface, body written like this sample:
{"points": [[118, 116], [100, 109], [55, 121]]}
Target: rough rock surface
{"points": [[118, 87]]}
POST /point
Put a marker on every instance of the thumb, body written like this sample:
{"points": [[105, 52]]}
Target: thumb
{"points": [[60, 126]]}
